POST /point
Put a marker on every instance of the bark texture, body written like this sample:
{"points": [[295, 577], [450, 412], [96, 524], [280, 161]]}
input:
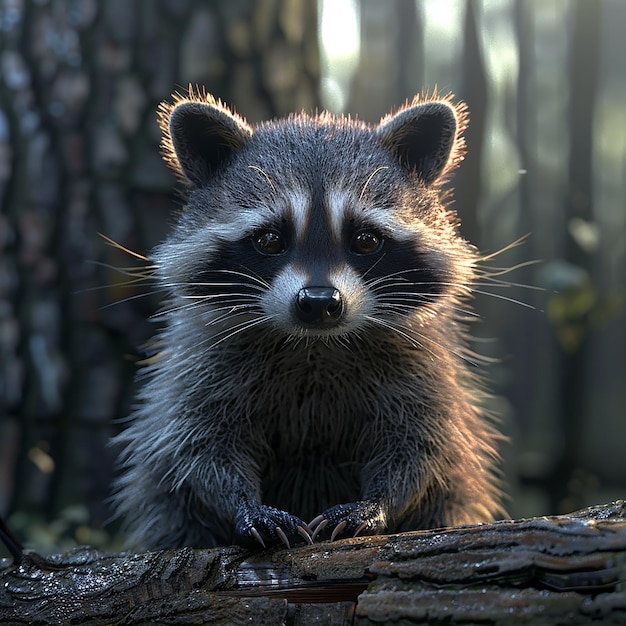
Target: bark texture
{"points": [[550, 570]]}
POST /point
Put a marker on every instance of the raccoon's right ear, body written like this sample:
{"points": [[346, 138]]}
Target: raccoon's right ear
{"points": [[199, 136]]}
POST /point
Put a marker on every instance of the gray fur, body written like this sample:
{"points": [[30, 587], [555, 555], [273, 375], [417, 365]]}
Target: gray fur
{"points": [[249, 419]]}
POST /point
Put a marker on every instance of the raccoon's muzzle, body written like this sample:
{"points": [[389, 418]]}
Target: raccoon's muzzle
{"points": [[319, 306]]}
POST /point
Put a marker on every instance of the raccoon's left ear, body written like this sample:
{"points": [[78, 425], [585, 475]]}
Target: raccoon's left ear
{"points": [[423, 137]]}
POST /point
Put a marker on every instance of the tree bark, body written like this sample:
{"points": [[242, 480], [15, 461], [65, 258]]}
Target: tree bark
{"points": [[547, 570]]}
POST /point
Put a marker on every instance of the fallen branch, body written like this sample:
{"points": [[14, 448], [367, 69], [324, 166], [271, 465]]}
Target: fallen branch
{"points": [[549, 570]]}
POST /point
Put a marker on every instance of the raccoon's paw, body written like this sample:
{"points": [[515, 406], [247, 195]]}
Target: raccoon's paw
{"points": [[263, 525], [349, 520]]}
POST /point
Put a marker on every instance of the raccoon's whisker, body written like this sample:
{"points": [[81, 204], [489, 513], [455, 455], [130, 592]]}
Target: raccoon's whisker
{"points": [[138, 275], [393, 327], [246, 299], [415, 341], [207, 344], [397, 309], [471, 289], [464, 356], [385, 284], [231, 315], [393, 275], [409, 270], [499, 296], [422, 296], [409, 306], [500, 283], [494, 282], [244, 326], [223, 284], [220, 284], [119, 246], [216, 303], [468, 289], [250, 275], [439, 283], [211, 307], [384, 287], [209, 296], [255, 282], [136, 296], [396, 279], [499, 271], [144, 271], [507, 284], [369, 179], [413, 294], [404, 332], [229, 300], [230, 312], [264, 174], [506, 248], [188, 306], [369, 269]]}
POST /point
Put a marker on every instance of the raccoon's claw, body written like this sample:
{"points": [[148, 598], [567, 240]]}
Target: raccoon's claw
{"points": [[350, 520], [338, 529], [317, 525], [306, 534], [264, 525], [255, 533]]}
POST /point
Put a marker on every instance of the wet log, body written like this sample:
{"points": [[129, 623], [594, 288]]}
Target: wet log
{"points": [[548, 570]]}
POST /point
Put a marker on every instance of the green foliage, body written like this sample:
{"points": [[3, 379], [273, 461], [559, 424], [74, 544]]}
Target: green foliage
{"points": [[70, 529]]}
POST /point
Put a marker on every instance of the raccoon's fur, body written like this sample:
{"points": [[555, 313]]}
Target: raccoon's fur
{"points": [[314, 359]]}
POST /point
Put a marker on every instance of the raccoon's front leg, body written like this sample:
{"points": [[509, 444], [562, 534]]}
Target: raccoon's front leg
{"points": [[253, 523], [227, 480], [265, 524], [386, 486]]}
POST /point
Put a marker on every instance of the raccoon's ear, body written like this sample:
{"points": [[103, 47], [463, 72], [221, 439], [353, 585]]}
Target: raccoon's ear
{"points": [[199, 137], [423, 137]]}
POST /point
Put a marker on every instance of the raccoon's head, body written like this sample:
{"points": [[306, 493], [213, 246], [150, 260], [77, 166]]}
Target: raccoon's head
{"points": [[314, 226]]}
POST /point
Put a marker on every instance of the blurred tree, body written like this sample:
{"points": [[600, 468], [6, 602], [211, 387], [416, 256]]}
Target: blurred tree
{"points": [[79, 155], [389, 70], [573, 374]]}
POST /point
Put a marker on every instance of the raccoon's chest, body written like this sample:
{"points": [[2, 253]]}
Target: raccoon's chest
{"points": [[317, 403], [313, 425]]}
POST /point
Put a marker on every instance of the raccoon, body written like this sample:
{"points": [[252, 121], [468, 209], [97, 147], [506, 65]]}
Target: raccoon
{"points": [[313, 378]]}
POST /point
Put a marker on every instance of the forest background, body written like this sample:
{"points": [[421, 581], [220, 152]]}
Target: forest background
{"points": [[80, 81]]}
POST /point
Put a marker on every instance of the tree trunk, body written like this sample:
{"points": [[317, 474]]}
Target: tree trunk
{"points": [[561, 570]]}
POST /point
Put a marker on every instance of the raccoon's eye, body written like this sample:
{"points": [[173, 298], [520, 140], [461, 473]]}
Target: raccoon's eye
{"points": [[366, 242], [269, 242]]}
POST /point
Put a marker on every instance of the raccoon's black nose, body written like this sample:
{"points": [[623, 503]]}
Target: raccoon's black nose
{"points": [[319, 305]]}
